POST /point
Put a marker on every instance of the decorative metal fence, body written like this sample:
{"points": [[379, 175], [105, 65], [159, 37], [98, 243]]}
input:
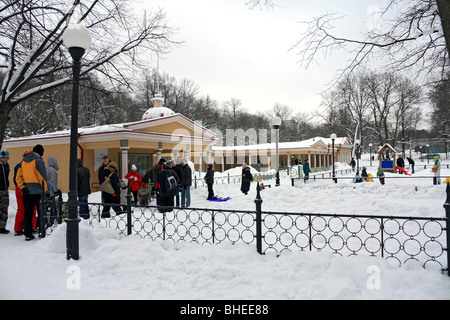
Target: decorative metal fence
{"points": [[397, 239]]}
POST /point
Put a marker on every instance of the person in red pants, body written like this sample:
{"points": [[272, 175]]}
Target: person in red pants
{"points": [[18, 225]]}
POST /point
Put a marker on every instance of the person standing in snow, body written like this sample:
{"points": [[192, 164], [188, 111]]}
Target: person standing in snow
{"points": [[52, 173], [380, 175], [209, 179], [84, 188], [32, 179], [4, 193], [167, 194], [437, 170], [185, 184], [111, 171], [411, 163], [306, 170], [400, 163], [134, 179], [246, 179]]}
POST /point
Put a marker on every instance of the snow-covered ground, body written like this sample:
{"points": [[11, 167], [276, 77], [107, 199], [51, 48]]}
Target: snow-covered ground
{"points": [[113, 267]]}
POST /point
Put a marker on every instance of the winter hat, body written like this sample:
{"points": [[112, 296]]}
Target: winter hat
{"points": [[4, 154], [39, 149], [133, 167]]}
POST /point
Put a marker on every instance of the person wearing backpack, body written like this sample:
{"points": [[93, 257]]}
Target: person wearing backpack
{"points": [[168, 181]]}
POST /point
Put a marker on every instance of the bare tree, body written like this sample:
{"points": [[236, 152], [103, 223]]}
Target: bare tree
{"points": [[32, 59], [418, 38]]}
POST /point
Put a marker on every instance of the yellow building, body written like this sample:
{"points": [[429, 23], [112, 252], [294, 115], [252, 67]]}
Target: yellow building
{"points": [[160, 133], [318, 150]]}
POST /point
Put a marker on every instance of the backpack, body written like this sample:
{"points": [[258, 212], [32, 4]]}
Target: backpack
{"points": [[171, 183]]}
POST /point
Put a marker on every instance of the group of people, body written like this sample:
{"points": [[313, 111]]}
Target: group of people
{"points": [[170, 180], [32, 178]]}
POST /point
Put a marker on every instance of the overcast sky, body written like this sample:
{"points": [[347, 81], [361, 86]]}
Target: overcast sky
{"points": [[230, 51]]}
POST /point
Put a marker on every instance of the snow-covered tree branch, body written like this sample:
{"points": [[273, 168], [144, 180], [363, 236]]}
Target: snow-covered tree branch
{"points": [[33, 60]]}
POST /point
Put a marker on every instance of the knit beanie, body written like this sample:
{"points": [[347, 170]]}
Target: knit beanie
{"points": [[39, 149], [4, 154]]}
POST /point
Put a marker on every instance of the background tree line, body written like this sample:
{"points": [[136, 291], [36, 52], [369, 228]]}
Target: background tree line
{"points": [[388, 108]]}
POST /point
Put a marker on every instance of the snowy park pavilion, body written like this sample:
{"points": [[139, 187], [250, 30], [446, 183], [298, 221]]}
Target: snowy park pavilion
{"points": [[162, 133]]}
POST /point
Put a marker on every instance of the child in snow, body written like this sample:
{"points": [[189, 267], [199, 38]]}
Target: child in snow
{"points": [[380, 174], [143, 194]]}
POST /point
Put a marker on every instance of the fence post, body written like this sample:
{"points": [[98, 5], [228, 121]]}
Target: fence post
{"points": [[447, 214], [129, 225], [258, 202]]}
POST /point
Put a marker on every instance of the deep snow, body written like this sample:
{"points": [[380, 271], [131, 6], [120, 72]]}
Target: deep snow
{"points": [[112, 267]]}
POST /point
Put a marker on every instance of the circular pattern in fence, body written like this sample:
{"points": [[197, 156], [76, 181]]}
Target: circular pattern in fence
{"points": [[270, 221], [302, 223], [411, 228], [220, 234], [270, 238], [248, 221], [336, 225], [286, 239], [354, 225], [247, 236], [392, 227], [336, 243], [412, 247], [372, 226], [286, 222], [432, 229], [372, 245], [302, 240], [392, 246], [433, 249], [233, 219], [319, 241], [319, 224], [354, 244]]}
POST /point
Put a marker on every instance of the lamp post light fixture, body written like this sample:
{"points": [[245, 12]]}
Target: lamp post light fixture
{"points": [[276, 123], [370, 152], [333, 137], [77, 39]]}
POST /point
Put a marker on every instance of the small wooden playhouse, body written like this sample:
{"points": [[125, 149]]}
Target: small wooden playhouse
{"points": [[386, 157]]}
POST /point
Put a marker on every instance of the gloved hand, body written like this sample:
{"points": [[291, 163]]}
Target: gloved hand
{"points": [[25, 191]]}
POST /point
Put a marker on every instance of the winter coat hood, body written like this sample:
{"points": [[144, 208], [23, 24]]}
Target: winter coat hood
{"points": [[53, 162], [436, 158], [30, 156]]}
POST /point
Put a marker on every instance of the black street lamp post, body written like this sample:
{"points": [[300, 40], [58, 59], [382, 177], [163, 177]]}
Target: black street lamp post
{"points": [[333, 137], [276, 123], [78, 39]]}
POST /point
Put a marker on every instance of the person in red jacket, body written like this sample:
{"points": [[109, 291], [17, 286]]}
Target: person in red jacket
{"points": [[134, 179]]}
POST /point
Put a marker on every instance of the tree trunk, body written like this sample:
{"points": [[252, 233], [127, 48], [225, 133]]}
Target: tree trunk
{"points": [[5, 110], [444, 13]]}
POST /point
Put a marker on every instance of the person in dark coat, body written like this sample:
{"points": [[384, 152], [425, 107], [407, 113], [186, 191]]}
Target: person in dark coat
{"points": [[150, 177], [179, 171], [209, 179], [400, 163], [111, 171], [185, 184], [246, 179], [411, 163], [83, 188], [167, 196], [101, 173], [4, 193]]}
